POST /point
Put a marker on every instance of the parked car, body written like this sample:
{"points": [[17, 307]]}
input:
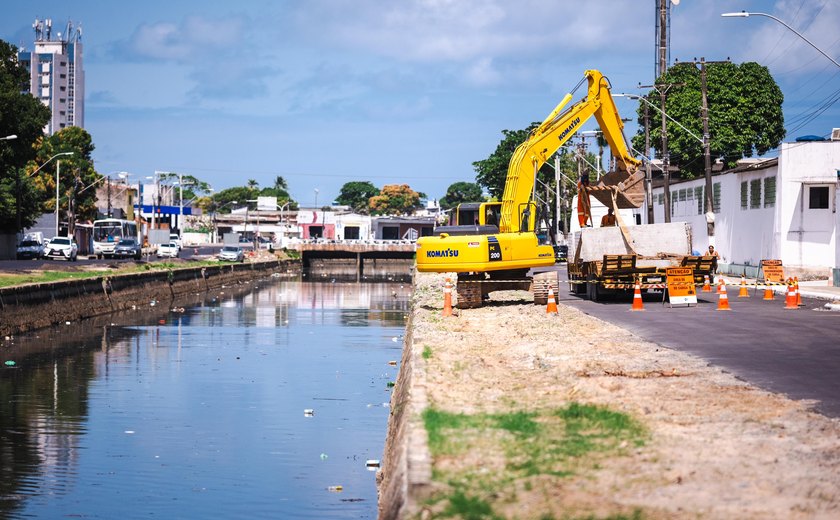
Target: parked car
{"points": [[169, 250], [62, 247], [174, 237], [28, 249], [128, 248], [232, 254]]}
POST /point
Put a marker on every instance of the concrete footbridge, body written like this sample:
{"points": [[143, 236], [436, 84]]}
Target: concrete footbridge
{"points": [[359, 252]]}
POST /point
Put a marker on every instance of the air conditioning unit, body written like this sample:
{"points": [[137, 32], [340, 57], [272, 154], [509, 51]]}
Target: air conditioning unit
{"points": [[835, 134]]}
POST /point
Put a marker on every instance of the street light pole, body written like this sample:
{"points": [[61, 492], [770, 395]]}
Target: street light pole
{"points": [[745, 14]]}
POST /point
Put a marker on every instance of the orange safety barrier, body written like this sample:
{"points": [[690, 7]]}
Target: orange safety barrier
{"points": [[551, 308], [723, 301], [706, 286], [743, 293], [638, 305], [447, 298]]}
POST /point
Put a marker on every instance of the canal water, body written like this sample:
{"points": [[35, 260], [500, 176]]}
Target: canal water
{"points": [[264, 400]]}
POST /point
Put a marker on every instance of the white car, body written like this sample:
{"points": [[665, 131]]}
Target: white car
{"points": [[62, 247], [169, 250], [176, 239], [232, 254]]}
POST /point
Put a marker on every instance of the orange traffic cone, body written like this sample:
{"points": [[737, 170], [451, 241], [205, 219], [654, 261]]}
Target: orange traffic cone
{"points": [[447, 298], [551, 308], [723, 301], [768, 293], [720, 283], [796, 289], [790, 297], [638, 305], [706, 286], [743, 293]]}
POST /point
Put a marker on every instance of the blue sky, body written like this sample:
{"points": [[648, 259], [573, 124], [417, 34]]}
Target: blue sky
{"points": [[324, 92]]}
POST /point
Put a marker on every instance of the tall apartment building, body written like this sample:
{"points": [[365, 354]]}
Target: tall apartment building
{"points": [[56, 74]]}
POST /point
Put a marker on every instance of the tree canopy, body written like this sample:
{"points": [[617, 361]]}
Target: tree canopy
{"points": [[461, 192], [24, 116], [395, 199], [357, 194], [745, 114]]}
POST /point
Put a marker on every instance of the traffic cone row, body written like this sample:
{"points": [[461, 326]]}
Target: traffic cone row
{"points": [[638, 305], [447, 298], [551, 308]]}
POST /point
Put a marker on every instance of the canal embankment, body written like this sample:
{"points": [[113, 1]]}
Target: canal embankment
{"points": [[33, 306], [506, 411]]}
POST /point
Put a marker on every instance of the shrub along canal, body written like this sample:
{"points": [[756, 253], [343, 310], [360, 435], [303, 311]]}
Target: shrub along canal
{"points": [[264, 400]]}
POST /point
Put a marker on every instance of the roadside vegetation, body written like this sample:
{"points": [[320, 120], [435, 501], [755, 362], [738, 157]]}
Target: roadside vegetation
{"points": [[46, 276], [519, 451]]}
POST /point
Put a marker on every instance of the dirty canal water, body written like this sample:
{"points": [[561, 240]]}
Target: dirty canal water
{"points": [[265, 400]]}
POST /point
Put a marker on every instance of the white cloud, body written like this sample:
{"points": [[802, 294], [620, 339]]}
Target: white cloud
{"points": [[194, 37]]}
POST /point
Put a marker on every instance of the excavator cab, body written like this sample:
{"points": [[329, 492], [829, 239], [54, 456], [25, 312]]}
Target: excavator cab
{"points": [[478, 214]]}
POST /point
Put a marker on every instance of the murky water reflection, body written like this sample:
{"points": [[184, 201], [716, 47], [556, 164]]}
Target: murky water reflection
{"points": [[200, 413]]}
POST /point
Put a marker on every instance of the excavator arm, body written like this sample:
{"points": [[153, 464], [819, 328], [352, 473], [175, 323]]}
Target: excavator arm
{"points": [[622, 188]]}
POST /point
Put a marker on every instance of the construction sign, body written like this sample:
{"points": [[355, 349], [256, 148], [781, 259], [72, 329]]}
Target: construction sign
{"points": [[773, 271], [681, 286]]}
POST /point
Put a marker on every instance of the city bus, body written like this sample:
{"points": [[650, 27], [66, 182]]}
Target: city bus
{"points": [[107, 232]]}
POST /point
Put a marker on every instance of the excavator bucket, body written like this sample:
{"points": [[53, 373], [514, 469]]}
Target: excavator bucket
{"points": [[630, 189]]}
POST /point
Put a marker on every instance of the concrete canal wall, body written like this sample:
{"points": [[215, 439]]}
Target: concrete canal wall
{"points": [[33, 306], [406, 472]]}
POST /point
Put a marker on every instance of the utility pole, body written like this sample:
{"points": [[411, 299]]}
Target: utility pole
{"points": [[662, 55], [109, 196], [648, 173], [707, 156], [666, 174]]}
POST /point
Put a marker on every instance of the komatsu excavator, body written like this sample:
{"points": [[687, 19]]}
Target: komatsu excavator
{"points": [[497, 249]]}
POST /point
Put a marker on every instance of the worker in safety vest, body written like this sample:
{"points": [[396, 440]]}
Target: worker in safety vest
{"points": [[608, 219]]}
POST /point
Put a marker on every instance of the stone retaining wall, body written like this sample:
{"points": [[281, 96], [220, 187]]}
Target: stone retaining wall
{"points": [[33, 306]]}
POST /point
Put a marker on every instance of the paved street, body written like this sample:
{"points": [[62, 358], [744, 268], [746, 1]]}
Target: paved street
{"points": [[795, 352]]}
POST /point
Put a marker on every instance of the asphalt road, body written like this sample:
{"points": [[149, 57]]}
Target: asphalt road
{"points": [[793, 352]]}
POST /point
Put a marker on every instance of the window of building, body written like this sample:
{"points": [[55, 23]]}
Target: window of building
{"points": [[755, 193], [818, 197], [698, 194], [769, 191], [716, 197], [351, 232], [744, 195], [390, 233]]}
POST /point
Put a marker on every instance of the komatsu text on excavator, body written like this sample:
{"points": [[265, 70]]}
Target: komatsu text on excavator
{"points": [[497, 249]]}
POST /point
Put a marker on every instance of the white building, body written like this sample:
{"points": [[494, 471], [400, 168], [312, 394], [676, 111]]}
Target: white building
{"points": [[783, 208], [56, 74]]}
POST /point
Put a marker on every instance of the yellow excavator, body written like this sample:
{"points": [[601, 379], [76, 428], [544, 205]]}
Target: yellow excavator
{"points": [[500, 245]]}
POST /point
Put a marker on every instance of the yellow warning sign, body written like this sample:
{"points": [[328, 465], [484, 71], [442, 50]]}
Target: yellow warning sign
{"points": [[681, 288], [773, 271]]}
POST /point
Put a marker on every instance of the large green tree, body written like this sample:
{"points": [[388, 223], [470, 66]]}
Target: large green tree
{"points": [[357, 194], [24, 116], [461, 192], [745, 114], [78, 178]]}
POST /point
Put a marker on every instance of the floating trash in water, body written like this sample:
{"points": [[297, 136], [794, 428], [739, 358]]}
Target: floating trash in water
{"points": [[324, 456], [393, 363], [372, 464], [394, 339], [391, 384], [309, 412], [336, 489], [130, 432], [10, 363]]}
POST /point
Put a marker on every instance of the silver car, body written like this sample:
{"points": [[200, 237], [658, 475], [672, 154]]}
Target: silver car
{"points": [[169, 250], [232, 254], [30, 249], [62, 247]]}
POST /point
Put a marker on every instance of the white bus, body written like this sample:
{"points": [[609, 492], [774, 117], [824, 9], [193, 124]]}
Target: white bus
{"points": [[107, 232]]}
